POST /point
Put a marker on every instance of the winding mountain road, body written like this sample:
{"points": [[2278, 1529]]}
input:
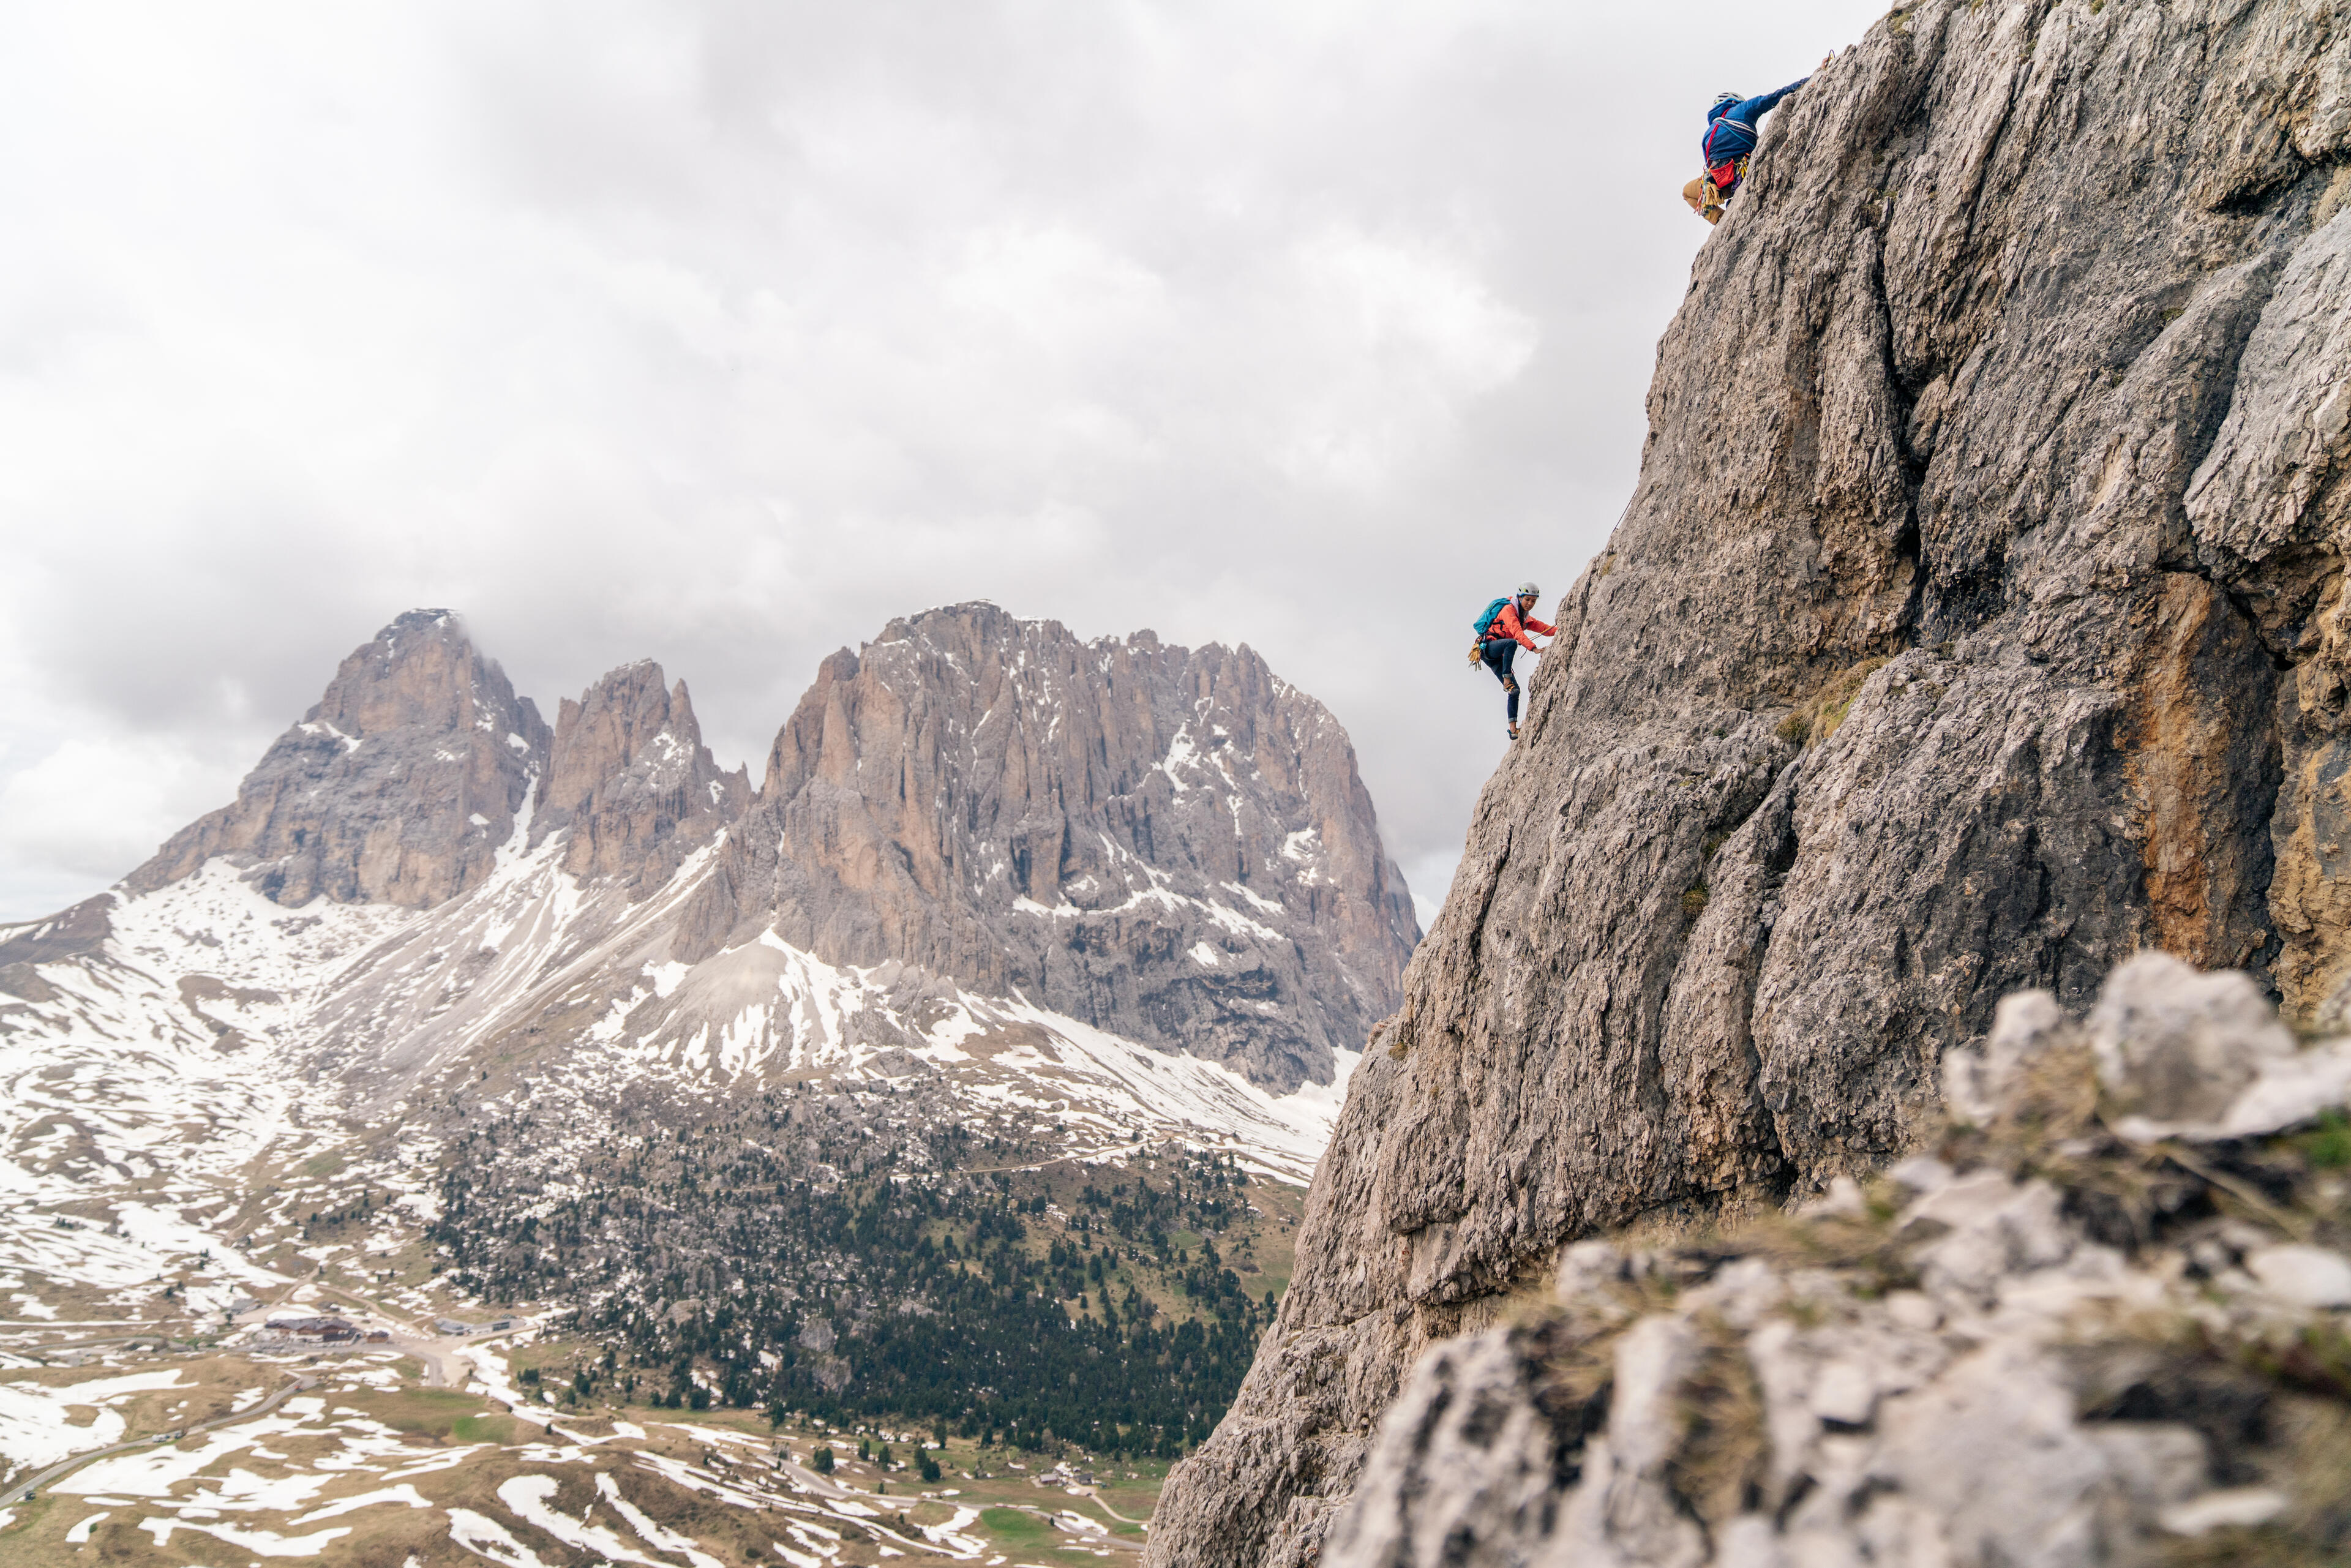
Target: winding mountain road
{"points": [[25, 1489]]}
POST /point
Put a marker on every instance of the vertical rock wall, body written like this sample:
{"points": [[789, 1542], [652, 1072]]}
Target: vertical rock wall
{"points": [[1975, 621]]}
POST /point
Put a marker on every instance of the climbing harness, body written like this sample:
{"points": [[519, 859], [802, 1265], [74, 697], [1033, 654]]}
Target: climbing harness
{"points": [[1708, 193]]}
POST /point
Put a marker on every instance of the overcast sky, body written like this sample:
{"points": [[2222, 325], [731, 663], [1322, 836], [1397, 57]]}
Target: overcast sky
{"points": [[722, 333]]}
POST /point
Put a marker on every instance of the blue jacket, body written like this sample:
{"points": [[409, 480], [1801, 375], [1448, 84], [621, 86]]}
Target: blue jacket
{"points": [[1730, 131]]}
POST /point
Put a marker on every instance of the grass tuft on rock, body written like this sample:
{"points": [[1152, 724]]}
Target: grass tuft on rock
{"points": [[1725, 1448], [1819, 717]]}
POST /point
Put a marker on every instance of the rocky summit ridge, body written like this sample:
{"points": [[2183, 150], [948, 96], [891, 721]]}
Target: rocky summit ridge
{"points": [[1973, 624]]}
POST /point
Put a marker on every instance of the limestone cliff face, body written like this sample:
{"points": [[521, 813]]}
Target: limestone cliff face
{"points": [[1171, 844], [398, 788], [1976, 622], [628, 774]]}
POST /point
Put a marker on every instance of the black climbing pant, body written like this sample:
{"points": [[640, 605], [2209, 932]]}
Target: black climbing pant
{"points": [[1498, 654]]}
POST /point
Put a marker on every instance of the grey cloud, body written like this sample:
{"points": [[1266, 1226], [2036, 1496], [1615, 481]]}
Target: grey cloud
{"points": [[722, 333]]}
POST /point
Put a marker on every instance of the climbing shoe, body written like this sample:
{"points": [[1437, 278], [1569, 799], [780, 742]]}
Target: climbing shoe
{"points": [[1514, 732]]}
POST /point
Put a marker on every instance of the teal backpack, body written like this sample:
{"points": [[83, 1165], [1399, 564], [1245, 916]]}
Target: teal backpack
{"points": [[1481, 625], [1487, 620]]}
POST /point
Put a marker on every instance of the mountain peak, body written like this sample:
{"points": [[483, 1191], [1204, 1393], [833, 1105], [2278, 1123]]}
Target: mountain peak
{"points": [[421, 670], [397, 787]]}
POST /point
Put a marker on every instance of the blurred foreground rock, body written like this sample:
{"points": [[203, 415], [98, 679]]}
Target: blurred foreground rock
{"points": [[2102, 1321]]}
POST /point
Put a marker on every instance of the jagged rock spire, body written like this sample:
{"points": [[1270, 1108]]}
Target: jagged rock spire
{"points": [[629, 774]]}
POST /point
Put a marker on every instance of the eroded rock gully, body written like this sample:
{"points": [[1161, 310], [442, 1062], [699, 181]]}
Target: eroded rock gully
{"points": [[1977, 621]]}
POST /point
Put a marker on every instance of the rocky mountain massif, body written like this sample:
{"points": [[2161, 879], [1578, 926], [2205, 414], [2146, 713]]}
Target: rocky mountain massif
{"points": [[1170, 846], [450, 999], [1975, 622]]}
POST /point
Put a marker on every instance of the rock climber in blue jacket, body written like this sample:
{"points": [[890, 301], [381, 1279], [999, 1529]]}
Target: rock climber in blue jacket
{"points": [[1731, 127]]}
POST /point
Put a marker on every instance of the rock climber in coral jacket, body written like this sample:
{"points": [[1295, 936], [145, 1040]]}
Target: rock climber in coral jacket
{"points": [[1505, 635]]}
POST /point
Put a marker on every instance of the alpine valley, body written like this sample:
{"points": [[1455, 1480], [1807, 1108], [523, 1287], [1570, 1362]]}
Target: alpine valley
{"points": [[518, 1085]]}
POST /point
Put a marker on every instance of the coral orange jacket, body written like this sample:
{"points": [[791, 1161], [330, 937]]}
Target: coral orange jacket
{"points": [[1509, 624]]}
